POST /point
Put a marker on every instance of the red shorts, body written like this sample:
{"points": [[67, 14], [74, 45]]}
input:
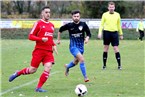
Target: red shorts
{"points": [[40, 55]]}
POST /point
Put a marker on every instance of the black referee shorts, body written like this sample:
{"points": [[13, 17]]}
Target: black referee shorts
{"points": [[141, 33], [110, 37]]}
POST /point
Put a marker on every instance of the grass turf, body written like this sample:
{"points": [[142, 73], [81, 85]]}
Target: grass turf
{"points": [[129, 82]]}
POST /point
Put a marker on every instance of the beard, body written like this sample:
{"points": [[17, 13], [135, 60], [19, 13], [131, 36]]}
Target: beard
{"points": [[76, 20], [47, 18]]}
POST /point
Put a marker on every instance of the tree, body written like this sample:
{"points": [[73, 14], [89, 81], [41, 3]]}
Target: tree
{"points": [[29, 6], [95, 9], [6, 7], [89, 9], [19, 6], [59, 9]]}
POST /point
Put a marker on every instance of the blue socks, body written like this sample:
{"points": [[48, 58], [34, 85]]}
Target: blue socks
{"points": [[70, 65], [83, 69]]}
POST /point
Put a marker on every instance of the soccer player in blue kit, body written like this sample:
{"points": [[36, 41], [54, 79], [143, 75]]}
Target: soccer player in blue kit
{"points": [[77, 32]]}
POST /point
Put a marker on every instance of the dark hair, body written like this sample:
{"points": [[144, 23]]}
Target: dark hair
{"points": [[75, 12], [111, 3], [45, 7]]}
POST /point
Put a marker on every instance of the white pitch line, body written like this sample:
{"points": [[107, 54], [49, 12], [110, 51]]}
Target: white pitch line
{"points": [[26, 84]]}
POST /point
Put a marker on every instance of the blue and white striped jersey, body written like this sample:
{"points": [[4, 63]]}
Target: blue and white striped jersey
{"points": [[77, 33]]}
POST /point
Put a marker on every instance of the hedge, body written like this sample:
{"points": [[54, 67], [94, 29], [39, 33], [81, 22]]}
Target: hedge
{"points": [[129, 34]]}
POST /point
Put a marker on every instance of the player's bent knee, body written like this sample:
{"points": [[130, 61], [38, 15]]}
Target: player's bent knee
{"points": [[76, 62], [81, 60], [32, 70], [47, 67]]}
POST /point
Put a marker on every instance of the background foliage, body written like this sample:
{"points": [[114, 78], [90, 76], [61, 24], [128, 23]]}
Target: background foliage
{"points": [[62, 9], [23, 34]]}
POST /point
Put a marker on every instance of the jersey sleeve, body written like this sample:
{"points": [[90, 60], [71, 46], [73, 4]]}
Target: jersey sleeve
{"points": [[87, 30], [119, 25], [63, 28], [33, 34], [102, 24], [53, 43]]}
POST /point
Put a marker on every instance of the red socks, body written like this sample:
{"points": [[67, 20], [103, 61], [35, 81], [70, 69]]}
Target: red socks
{"points": [[44, 76], [24, 71], [43, 79]]}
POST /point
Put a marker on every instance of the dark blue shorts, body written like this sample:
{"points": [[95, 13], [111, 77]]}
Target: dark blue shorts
{"points": [[110, 37]]}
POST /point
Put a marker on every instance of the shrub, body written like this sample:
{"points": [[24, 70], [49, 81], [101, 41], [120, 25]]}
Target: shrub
{"points": [[129, 34]]}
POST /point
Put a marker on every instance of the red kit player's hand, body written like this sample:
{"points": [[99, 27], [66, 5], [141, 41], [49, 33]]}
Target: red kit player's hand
{"points": [[44, 39]]}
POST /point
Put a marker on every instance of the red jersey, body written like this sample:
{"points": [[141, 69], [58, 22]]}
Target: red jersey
{"points": [[42, 29]]}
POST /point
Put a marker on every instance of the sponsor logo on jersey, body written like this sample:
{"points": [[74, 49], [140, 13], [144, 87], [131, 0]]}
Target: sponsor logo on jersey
{"points": [[80, 28], [48, 34], [72, 29], [77, 35]]}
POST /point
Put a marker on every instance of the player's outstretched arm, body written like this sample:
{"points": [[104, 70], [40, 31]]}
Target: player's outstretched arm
{"points": [[58, 38]]}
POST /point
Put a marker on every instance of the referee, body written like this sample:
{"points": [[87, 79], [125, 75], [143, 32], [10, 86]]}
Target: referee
{"points": [[140, 29], [112, 31]]}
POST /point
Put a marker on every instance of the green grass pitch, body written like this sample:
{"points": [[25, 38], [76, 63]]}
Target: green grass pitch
{"points": [[129, 82]]}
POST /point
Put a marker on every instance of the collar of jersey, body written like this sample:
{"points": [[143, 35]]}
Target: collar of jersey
{"points": [[44, 21]]}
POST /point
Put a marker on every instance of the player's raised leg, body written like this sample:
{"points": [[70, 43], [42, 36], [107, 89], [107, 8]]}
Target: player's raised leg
{"points": [[70, 65], [25, 71]]}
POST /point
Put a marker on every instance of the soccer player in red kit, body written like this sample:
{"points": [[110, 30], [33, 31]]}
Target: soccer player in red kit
{"points": [[42, 33]]}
